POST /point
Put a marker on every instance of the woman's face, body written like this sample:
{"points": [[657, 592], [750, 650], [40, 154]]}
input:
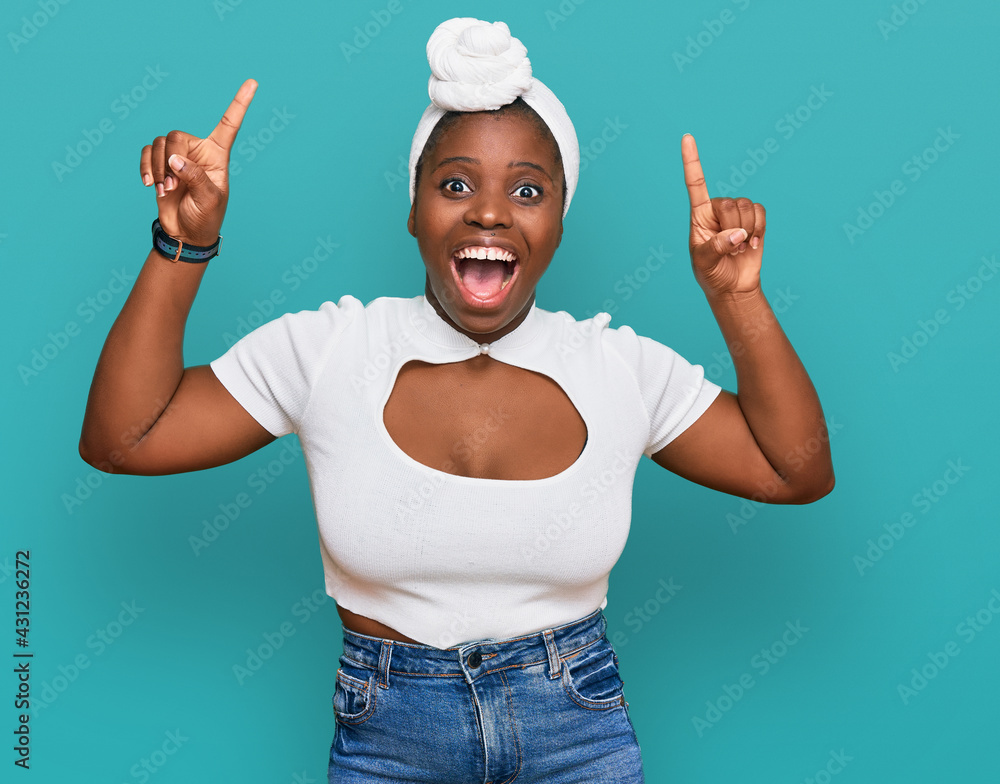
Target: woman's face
{"points": [[492, 186]]}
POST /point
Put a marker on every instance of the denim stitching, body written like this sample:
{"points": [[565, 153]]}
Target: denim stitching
{"points": [[359, 684], [584, 702], [513, 720], [364, 715], [555, 663], [567, 655], [384, 660]]}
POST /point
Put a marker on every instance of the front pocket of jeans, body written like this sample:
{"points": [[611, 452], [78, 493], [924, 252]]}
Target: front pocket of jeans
{"points": [[353, 698], [590, 677]]}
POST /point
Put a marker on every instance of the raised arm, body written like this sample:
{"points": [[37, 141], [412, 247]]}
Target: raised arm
{"points": [[147, 413], [769, 441]]}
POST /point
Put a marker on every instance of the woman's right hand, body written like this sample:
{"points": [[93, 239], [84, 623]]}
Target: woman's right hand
{"points": [[191, 175]]}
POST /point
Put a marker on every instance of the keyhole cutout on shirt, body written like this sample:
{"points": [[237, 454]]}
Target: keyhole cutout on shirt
{"points": [[483, 418]]}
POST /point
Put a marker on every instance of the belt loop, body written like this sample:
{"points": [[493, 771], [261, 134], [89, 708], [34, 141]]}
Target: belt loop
{"points": [[555, 665], [385, 654]]}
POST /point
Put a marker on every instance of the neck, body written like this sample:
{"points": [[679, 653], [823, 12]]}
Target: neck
{"points": [[479, 337]]}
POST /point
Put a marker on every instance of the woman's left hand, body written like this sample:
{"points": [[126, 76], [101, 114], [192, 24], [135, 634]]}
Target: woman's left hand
{"points": [[727, 235]]}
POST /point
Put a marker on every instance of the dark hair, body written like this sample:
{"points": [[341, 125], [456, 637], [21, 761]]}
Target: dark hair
{"points": [[517, 108]]}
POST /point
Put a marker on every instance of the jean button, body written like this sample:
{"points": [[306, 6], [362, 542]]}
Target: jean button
{"points": [[475, 659]]}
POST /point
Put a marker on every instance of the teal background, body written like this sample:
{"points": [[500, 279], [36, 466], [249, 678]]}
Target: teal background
{"points": [[745, 570]]}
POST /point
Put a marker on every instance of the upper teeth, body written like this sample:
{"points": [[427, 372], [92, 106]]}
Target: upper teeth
{"points": [[478, 252]]}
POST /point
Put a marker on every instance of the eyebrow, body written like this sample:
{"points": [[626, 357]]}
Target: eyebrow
{"points": [[477, 162], [530, 165], [459, 159]]}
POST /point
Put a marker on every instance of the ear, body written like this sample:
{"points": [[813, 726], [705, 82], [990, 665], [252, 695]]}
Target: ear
{"points": [[411, 222]]}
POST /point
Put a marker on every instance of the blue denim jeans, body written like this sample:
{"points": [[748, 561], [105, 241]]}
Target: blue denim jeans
{"points": [[545, 707]]}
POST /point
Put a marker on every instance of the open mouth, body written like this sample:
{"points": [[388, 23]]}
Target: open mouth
{"points": [[484, 272]]}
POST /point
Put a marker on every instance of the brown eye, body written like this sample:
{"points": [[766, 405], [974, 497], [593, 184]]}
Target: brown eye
{"points": [[455, 186], [528, 191]]}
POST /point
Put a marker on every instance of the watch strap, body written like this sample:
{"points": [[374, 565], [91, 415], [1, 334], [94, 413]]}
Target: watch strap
{"points": [[174, 249]]}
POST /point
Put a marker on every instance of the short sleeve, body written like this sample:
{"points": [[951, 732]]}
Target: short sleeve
{"points": [[674, 392], [271, 371]]}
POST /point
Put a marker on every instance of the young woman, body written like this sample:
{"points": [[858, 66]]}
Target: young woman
{"points": [[470, 455]]}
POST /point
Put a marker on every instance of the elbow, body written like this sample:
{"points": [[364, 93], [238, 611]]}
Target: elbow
{"points": [[85, 452], [88, 455], [108, 461], [779, 490], [815, 492]]}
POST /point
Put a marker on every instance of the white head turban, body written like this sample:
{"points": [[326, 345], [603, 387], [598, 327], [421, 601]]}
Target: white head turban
{"points": [[477, 66]]}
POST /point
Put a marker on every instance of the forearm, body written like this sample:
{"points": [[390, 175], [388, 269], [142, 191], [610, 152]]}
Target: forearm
{"points": [[142, 361], [776, 396]]}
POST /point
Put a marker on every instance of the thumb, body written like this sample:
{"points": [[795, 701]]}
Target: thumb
{"points": [[725, 242], [190, 173]]}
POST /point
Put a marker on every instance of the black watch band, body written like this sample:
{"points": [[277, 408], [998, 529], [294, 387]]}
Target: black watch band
{"points": [[175, 249]]}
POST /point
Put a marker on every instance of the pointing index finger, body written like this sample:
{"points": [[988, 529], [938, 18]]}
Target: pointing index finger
{"points": [[225, 132], [694, 178]]}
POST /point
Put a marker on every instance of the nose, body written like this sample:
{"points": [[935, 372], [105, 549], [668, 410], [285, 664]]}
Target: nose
{"points": [[489, 209]]}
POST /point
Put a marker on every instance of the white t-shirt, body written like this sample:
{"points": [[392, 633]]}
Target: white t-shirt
{"points": [[448, 559]]}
